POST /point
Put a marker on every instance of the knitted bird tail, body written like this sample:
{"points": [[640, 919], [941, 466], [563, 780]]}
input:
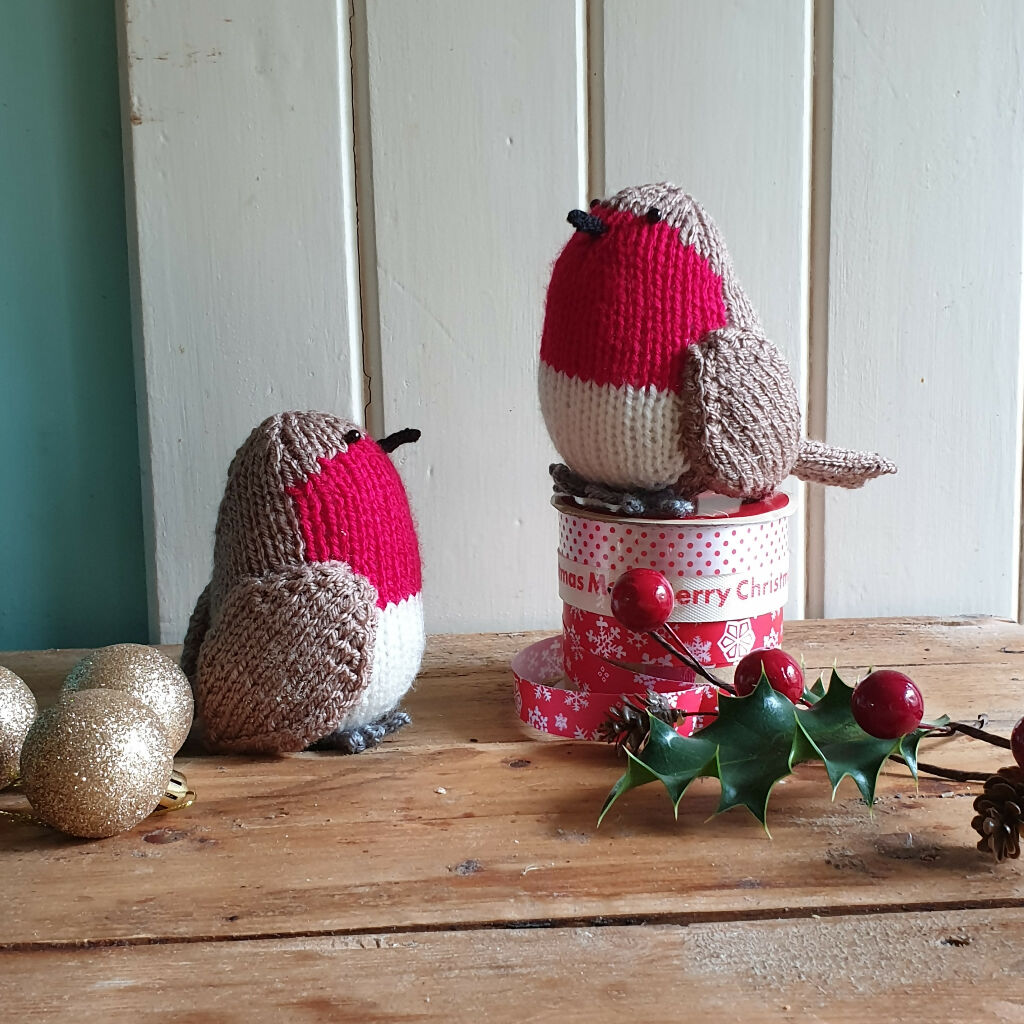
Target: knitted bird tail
{"points": [[823, 463]]}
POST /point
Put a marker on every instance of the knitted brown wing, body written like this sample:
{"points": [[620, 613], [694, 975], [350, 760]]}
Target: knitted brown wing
{"points": [[286, 655], [742, 416], [198, 624]]}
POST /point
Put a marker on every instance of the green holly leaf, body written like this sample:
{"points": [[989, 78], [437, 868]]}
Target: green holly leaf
{"points": [[755, 736], [669, 758], [803, 749], [814, 692], [910, 743], [844, 747]]}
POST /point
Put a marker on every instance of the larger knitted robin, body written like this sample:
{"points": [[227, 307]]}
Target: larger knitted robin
{"points": [[311, 628], [656, 379]]}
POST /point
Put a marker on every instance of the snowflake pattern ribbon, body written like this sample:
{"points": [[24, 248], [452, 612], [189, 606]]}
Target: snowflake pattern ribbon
{"points": [[554, 706], [737, 639]]}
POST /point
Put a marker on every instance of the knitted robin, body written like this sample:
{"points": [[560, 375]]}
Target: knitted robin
{"points": [[656, 379], [311, 628]]}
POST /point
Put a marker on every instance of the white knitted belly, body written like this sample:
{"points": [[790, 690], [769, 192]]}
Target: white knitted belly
{"points": [[624, 437], [397, 652]]}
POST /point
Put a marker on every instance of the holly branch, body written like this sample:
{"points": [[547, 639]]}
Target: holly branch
{"points": [[768, 722], [756, 740]]}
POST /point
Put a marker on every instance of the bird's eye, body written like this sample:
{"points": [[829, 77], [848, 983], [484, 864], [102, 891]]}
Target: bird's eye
{"points": [[352, 436], [595, 202], [653, 215]]}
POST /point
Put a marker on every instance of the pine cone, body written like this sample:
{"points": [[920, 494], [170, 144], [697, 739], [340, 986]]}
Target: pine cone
{"points": [[628, 725], [998, 820]]}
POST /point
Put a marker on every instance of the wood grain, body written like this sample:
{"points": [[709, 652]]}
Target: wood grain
{"points": [[740, 145], [310, 846], [935, 653], [465, 821], [949, 966], [925, 305], [239, 146]]}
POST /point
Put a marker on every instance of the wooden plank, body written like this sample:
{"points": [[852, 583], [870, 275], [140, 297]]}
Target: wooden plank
{"points": [[978, 642], [476, 161], [951, 965], [935, 655], [239, 143], [988, 645], [716, 97], [312, 846], [435, 830], [924, 334], [442, 715]]}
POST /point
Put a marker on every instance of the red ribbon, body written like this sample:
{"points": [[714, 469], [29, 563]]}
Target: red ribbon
{"points": [[550, 703]]}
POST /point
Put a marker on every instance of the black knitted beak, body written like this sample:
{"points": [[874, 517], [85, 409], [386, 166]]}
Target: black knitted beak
{"points": [[408, 435], [583, 221]]}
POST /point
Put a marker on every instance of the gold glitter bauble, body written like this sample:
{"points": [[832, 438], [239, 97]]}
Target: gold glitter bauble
{"points": [[96, 763], [17, 713], [145, 674]]}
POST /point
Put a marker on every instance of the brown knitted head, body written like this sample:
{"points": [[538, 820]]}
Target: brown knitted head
{"points": [[258, 529], [655, 372], [315, 548]]}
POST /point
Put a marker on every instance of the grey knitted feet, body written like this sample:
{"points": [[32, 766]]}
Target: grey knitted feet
{"points": [[664, 504], [355, 741]]}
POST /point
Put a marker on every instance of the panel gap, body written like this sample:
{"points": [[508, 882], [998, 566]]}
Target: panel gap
{"points": [[819, 244], [592, 69], [366, 225]]}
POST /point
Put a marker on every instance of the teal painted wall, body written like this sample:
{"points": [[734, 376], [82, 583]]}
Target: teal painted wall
{"points": [[72, 566]]}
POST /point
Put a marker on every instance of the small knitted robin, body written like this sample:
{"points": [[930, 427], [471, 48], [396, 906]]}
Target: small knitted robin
{"points": [[656, 379], [310, 631]]}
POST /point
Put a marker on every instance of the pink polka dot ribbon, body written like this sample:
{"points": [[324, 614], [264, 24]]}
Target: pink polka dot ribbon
{"points": [[728, 566]]}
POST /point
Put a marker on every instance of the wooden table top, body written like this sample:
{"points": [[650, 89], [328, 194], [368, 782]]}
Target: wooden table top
{"points": [[458, 873]]}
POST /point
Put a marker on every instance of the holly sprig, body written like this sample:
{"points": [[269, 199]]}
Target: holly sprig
{"points": [[756, 740], [768, 722]]}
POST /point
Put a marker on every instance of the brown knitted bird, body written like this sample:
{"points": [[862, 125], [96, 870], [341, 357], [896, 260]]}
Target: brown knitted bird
{"points": [[656, 379], [311, 629]]}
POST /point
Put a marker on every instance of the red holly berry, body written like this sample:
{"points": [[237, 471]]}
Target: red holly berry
{"points": [[887, 704], [1017, 743], [782, 669], [642, 600]]}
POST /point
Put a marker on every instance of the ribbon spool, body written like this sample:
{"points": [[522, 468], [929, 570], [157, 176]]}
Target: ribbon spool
{"points": [[550, 703], [728, 566]]}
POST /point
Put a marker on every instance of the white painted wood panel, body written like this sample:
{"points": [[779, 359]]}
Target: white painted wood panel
{"points": [[471, 142], [925, 299], [476, 154], [238, 147], [715, 97]]}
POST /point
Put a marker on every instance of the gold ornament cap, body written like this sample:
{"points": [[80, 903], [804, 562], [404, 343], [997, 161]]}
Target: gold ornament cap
{"points": [[17, 713], [145, 674], [177, 796], [95, 763]]}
